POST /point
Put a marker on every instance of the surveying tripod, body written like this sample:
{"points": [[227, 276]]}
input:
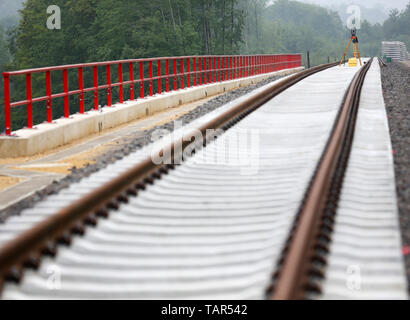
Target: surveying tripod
{"points": [[355, 41]]}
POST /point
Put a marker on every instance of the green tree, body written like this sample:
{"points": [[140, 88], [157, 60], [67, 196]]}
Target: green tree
{"points": [[397, 26], [100, 30], [4, 52]]}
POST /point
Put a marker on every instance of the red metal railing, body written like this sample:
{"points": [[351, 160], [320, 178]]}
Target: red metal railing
{"points": [[192, 71]]}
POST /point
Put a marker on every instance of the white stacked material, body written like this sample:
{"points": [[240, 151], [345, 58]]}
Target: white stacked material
{"points": [[395, 50]]}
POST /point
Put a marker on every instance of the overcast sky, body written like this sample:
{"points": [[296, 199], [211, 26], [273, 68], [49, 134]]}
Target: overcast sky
{"points": [[399, 4]]}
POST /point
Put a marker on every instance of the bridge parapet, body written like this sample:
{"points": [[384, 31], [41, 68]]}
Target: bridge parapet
{"points": [[171, 75]]}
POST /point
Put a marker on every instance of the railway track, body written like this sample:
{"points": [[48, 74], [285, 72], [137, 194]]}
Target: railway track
{"points": [[208, 229]]}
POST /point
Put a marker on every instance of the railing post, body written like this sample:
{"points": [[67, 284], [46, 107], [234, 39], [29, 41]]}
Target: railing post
{"points": [[109, 90], [182, 74], [188, 65], [230, 74], [223, 69], [81, 87], [219, 69], [121, 78], [205, 70], [159, 77], [142, 80], [226, 68], [195, 74], [259, 65], [230, 68], [210, 70], [7, 101], [256, 65], [264, 64], [200, 71], [132, 86], [30, 101], [66, 97], [237, 69], [175, 76], [234, 67], [151, 82], [215, 70], [49, 101], [167, 71], [253, 65]]}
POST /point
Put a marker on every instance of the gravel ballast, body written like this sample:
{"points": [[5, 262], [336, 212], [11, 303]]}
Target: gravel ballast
{"points": [[126, 146], [396, 91]]}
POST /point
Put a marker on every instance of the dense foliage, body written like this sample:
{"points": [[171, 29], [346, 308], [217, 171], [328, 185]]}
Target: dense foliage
{"points": [[95, 30]]}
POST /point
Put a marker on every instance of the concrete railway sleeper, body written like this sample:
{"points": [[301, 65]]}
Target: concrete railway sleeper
{"points": [[193, 231]]}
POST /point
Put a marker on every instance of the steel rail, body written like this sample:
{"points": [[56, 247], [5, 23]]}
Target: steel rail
{"points": [[303, 258], [26, 250]]}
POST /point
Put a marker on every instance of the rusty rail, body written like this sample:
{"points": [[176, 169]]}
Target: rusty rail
{"points": [[304, 256], [26, 250]]}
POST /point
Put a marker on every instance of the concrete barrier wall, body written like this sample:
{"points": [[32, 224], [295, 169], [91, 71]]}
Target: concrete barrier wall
{"points": [[47, 136]]}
